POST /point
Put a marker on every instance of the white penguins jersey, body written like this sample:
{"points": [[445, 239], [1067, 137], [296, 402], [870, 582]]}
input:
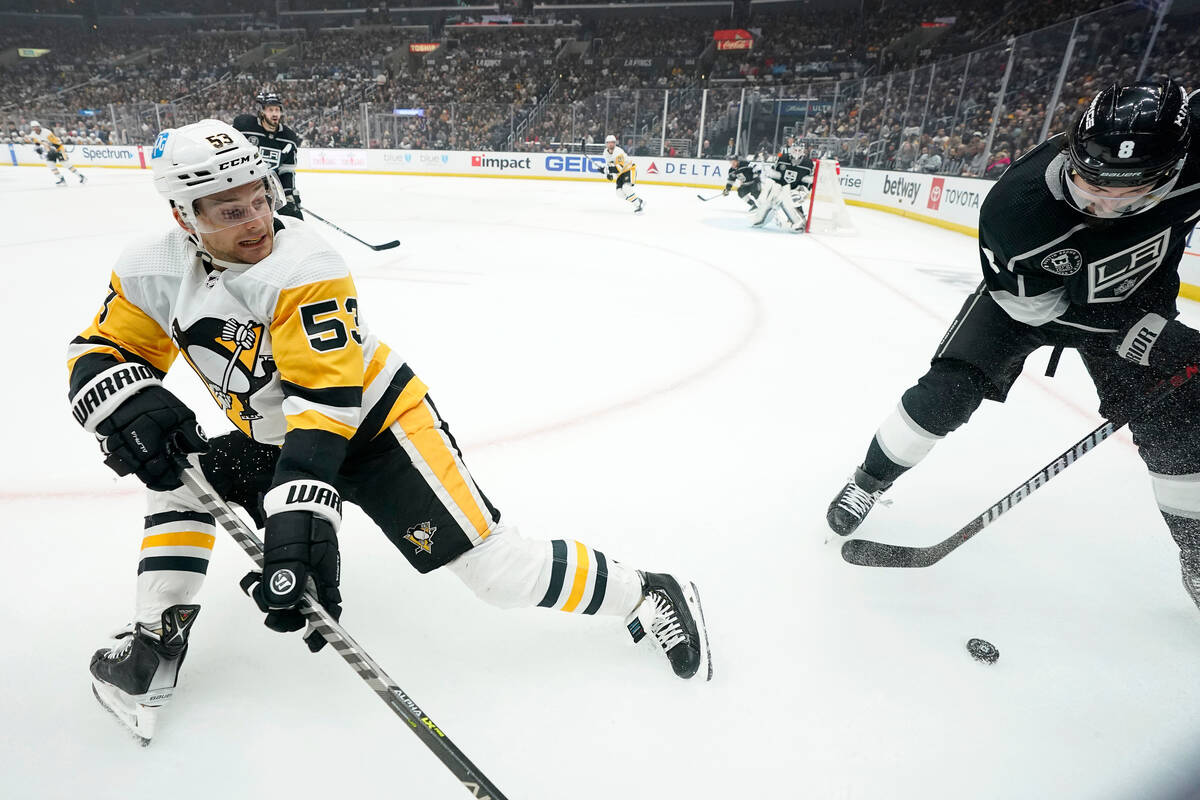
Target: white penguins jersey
{"points": [[617, 159], [46, 137], [279, 344]]}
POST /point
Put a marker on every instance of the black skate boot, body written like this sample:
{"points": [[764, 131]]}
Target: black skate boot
{"points": [[1189, 567], [82, 179], [137, 675], [671, 613], [854, 502]]}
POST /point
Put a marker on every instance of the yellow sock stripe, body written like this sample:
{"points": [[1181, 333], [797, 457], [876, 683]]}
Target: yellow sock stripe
{"points": [[581, 576], [180, 539], [421, 430]]}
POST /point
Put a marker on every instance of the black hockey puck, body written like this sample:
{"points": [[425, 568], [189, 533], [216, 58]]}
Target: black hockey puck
{"points": [[982, 650]]}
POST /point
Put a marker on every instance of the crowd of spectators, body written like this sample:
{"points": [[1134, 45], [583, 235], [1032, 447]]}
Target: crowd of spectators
{"points": [[494, 87]]}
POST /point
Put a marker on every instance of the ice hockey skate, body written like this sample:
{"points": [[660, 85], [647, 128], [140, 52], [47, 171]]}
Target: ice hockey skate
{"points": [[670, 612], [852, 504], [62, 181], [136, 676], [82, 179]]}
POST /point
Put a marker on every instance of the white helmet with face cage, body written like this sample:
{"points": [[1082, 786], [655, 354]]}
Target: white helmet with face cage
{"points": [[205, 158]]}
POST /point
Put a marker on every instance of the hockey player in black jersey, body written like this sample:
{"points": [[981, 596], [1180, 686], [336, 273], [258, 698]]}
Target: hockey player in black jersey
{"points": [[744, 175], [278, 144], [1079, 243]]}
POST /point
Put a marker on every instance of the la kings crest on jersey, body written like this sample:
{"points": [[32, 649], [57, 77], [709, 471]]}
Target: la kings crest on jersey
{"points": [[1043, 260], [270, 155]]}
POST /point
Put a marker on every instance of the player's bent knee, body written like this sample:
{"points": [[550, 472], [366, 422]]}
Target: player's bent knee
{"points": [[946, 396], [505, 571]]}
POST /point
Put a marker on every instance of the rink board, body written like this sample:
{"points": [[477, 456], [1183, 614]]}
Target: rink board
{"points": [[943, 200]]}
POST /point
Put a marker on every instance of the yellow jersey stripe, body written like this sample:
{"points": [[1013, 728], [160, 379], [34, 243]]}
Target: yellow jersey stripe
{"points": [[180, 539], [581, 575], [378, 362], [422, 432], [315, 420]]}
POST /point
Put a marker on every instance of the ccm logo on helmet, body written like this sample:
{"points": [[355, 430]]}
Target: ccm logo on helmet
{"points": [[234, 163]]}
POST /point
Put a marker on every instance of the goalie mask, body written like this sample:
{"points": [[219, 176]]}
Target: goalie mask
{"points": [[206, 158]]}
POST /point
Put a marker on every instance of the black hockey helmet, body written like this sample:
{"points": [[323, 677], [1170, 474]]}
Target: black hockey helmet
{"points": [[268, 98], [1131, 135]]}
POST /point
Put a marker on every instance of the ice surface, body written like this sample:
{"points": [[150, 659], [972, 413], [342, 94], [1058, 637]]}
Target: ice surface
{"points": [[684, 393]]}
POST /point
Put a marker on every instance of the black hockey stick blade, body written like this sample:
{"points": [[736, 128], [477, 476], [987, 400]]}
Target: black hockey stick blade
{"points": [[865, 553], [704, 199], [375, 247]]}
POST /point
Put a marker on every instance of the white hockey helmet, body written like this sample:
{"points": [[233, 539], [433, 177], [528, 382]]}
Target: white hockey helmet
{"points": [[34, 124], [610, 138], [205, 158]]}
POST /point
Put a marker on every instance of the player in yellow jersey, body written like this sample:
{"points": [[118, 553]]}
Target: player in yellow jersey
{"points": [[620, 168], [267, 315], [51, 148]]}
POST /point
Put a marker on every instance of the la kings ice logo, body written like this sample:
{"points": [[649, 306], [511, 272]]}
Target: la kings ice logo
{"points": [[1063, 262]]}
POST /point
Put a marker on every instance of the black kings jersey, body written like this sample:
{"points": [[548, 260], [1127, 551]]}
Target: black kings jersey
{"points": [[1044, 262], [278, 148], [746, 173], [792, 175]]}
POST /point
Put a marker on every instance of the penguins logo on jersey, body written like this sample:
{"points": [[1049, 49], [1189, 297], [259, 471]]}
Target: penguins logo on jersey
{"points": [[422, 536], [225, 353]]}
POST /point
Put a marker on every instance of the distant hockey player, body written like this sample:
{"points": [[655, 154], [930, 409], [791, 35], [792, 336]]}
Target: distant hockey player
{"points": [[278, 144], [49, 146], [621, 168], [776, 197], [267, 315], [1079, 244], [744, 176]]}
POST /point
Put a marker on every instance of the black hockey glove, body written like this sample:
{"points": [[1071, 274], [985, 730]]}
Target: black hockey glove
{"points": [[1157, 342], [292, 197], [300, 551], [137, 422], [37, 148]]}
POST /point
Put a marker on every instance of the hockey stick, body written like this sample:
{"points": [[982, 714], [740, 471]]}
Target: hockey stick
{"points": [[866, 553], [315, 614], [376, 247], [704, 199]]}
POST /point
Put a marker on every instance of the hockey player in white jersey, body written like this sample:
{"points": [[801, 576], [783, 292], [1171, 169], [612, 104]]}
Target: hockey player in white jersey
{"points": [[267, 315], [50, 147], [619, 167]]}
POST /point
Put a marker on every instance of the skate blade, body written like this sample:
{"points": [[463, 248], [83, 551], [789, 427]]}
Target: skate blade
{"points": [[692, 595], [140, 723]]}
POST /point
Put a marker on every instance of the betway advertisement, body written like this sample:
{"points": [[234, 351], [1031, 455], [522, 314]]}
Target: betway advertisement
{"points": [[942, 198]]}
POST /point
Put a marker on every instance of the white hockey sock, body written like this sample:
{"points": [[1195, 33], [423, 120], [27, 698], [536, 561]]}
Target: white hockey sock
{"points": [[176, 547], [904, 441], [509, 571]]}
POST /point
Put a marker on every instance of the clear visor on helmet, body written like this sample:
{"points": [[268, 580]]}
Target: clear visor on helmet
{"points": [[258, 199], [1116, 202]]}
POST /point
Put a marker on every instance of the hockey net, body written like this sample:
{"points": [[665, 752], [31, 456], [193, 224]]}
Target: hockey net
{"points": [[826, 212]]}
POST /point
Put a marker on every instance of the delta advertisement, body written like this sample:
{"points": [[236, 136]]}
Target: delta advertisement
{"points": [[949, 201]]}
